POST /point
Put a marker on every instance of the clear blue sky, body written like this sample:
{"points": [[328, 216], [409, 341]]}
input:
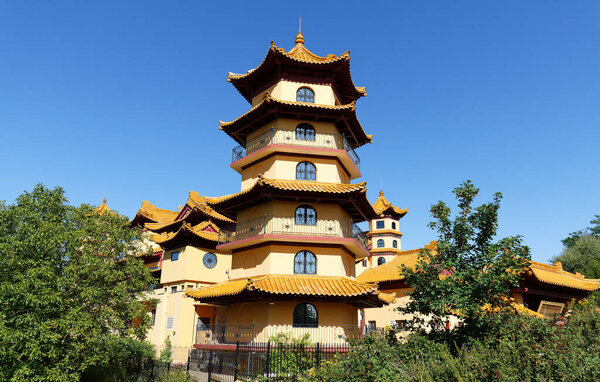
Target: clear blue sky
{"points": [[121, 100]]}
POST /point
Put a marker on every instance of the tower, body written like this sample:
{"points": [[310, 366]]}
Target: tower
{"points": [[295, 241], [384, 231]]}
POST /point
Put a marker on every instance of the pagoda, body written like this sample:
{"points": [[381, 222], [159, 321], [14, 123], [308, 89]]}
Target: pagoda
{"points": [[295, 240]]}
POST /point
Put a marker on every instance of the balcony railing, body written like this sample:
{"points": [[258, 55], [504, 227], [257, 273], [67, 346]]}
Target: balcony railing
{"points": [[261, 333], [288, 137], [279, 225]]}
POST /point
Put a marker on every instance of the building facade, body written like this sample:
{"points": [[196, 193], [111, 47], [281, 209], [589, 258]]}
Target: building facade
{"points": [[285, 253]]}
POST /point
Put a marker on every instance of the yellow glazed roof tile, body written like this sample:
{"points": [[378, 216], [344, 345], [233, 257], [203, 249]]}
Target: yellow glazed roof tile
{"points": [[382, 204], [294, 185], [156, 214], [103, 208], [269, 99], [555, 275], [307, 285], [301, 54], [198, 230]]}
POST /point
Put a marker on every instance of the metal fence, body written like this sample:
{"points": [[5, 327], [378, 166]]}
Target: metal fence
{"points": [[285, 225], [268, 361], [288, 137]]}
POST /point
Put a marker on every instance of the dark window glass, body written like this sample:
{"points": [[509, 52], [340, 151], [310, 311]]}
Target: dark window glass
{"points": [[306, 171], [305, 316], [305, 95], [380, 224], [305, 132], [306, 215], [393, 225], [305, 262], [395, 244], [381, 260], [175, 256], [380, 243]]}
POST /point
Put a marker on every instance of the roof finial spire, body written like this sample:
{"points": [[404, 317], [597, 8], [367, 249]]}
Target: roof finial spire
{"points": [[299, 37]]}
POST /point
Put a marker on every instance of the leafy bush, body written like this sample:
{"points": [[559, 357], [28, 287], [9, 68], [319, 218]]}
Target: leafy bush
{"points": [[512, 348]]}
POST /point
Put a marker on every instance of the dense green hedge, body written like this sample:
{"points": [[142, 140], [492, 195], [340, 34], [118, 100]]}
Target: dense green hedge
{"points": [[509, 348]]}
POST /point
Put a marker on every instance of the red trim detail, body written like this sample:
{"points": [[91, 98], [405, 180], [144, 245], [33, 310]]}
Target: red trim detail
{"points": [[319, 239]]}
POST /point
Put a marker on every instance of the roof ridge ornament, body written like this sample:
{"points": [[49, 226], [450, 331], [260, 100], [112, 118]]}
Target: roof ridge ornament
{"points": [[299, 38]]}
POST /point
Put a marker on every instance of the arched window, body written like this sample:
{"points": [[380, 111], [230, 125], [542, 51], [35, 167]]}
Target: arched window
{"points": [[305, 263], [381, 260], [380, 243], [305, 132], [306, 171], [393, 225], [306, 215], [395, 243], [305, 316], [305, 95]]}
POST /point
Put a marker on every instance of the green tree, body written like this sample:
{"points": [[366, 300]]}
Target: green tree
{"points": [[582, 256], [467, 271], [593, 230], [71, 288]]}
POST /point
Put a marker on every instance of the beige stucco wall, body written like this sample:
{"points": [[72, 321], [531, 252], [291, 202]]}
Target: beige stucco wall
{"points": [[190, 266], [279, 259], [280, 208], [387, 222], [286, 91], [388, 242], [180, 308]]}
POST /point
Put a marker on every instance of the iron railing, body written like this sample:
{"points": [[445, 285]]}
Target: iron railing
{"points": [[288, 137], [246, 333], [280, 225]]}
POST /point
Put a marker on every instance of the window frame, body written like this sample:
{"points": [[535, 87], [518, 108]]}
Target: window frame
{"points": [[306, 220], [304, 270], [298, 95], [380, 224], [306, 170], [381, 260], [301, 132], [395, 244], [380, 243], [304, 324], [175, 254]]}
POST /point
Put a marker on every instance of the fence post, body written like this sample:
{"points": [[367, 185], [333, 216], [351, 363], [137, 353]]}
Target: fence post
{"points": [[235, 367], [268, 359], [318, 354], [210, 355]]}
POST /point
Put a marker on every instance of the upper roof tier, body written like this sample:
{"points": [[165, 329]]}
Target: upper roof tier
{"points": [[385, 208], [296, 64], [342, 116]]}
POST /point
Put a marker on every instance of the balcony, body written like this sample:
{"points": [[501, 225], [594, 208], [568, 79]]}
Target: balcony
{"points": [[334, 144], [262, 333], [282, 228]]}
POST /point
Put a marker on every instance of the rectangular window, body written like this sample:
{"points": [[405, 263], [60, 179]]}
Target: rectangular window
{"points": [[372, 324], [174, 289], [380, 224], [175, 256], [169, 322], [153, 317]]}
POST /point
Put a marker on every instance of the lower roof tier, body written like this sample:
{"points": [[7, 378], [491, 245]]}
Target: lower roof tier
{"points": [[294, 287], [351, 197]]}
